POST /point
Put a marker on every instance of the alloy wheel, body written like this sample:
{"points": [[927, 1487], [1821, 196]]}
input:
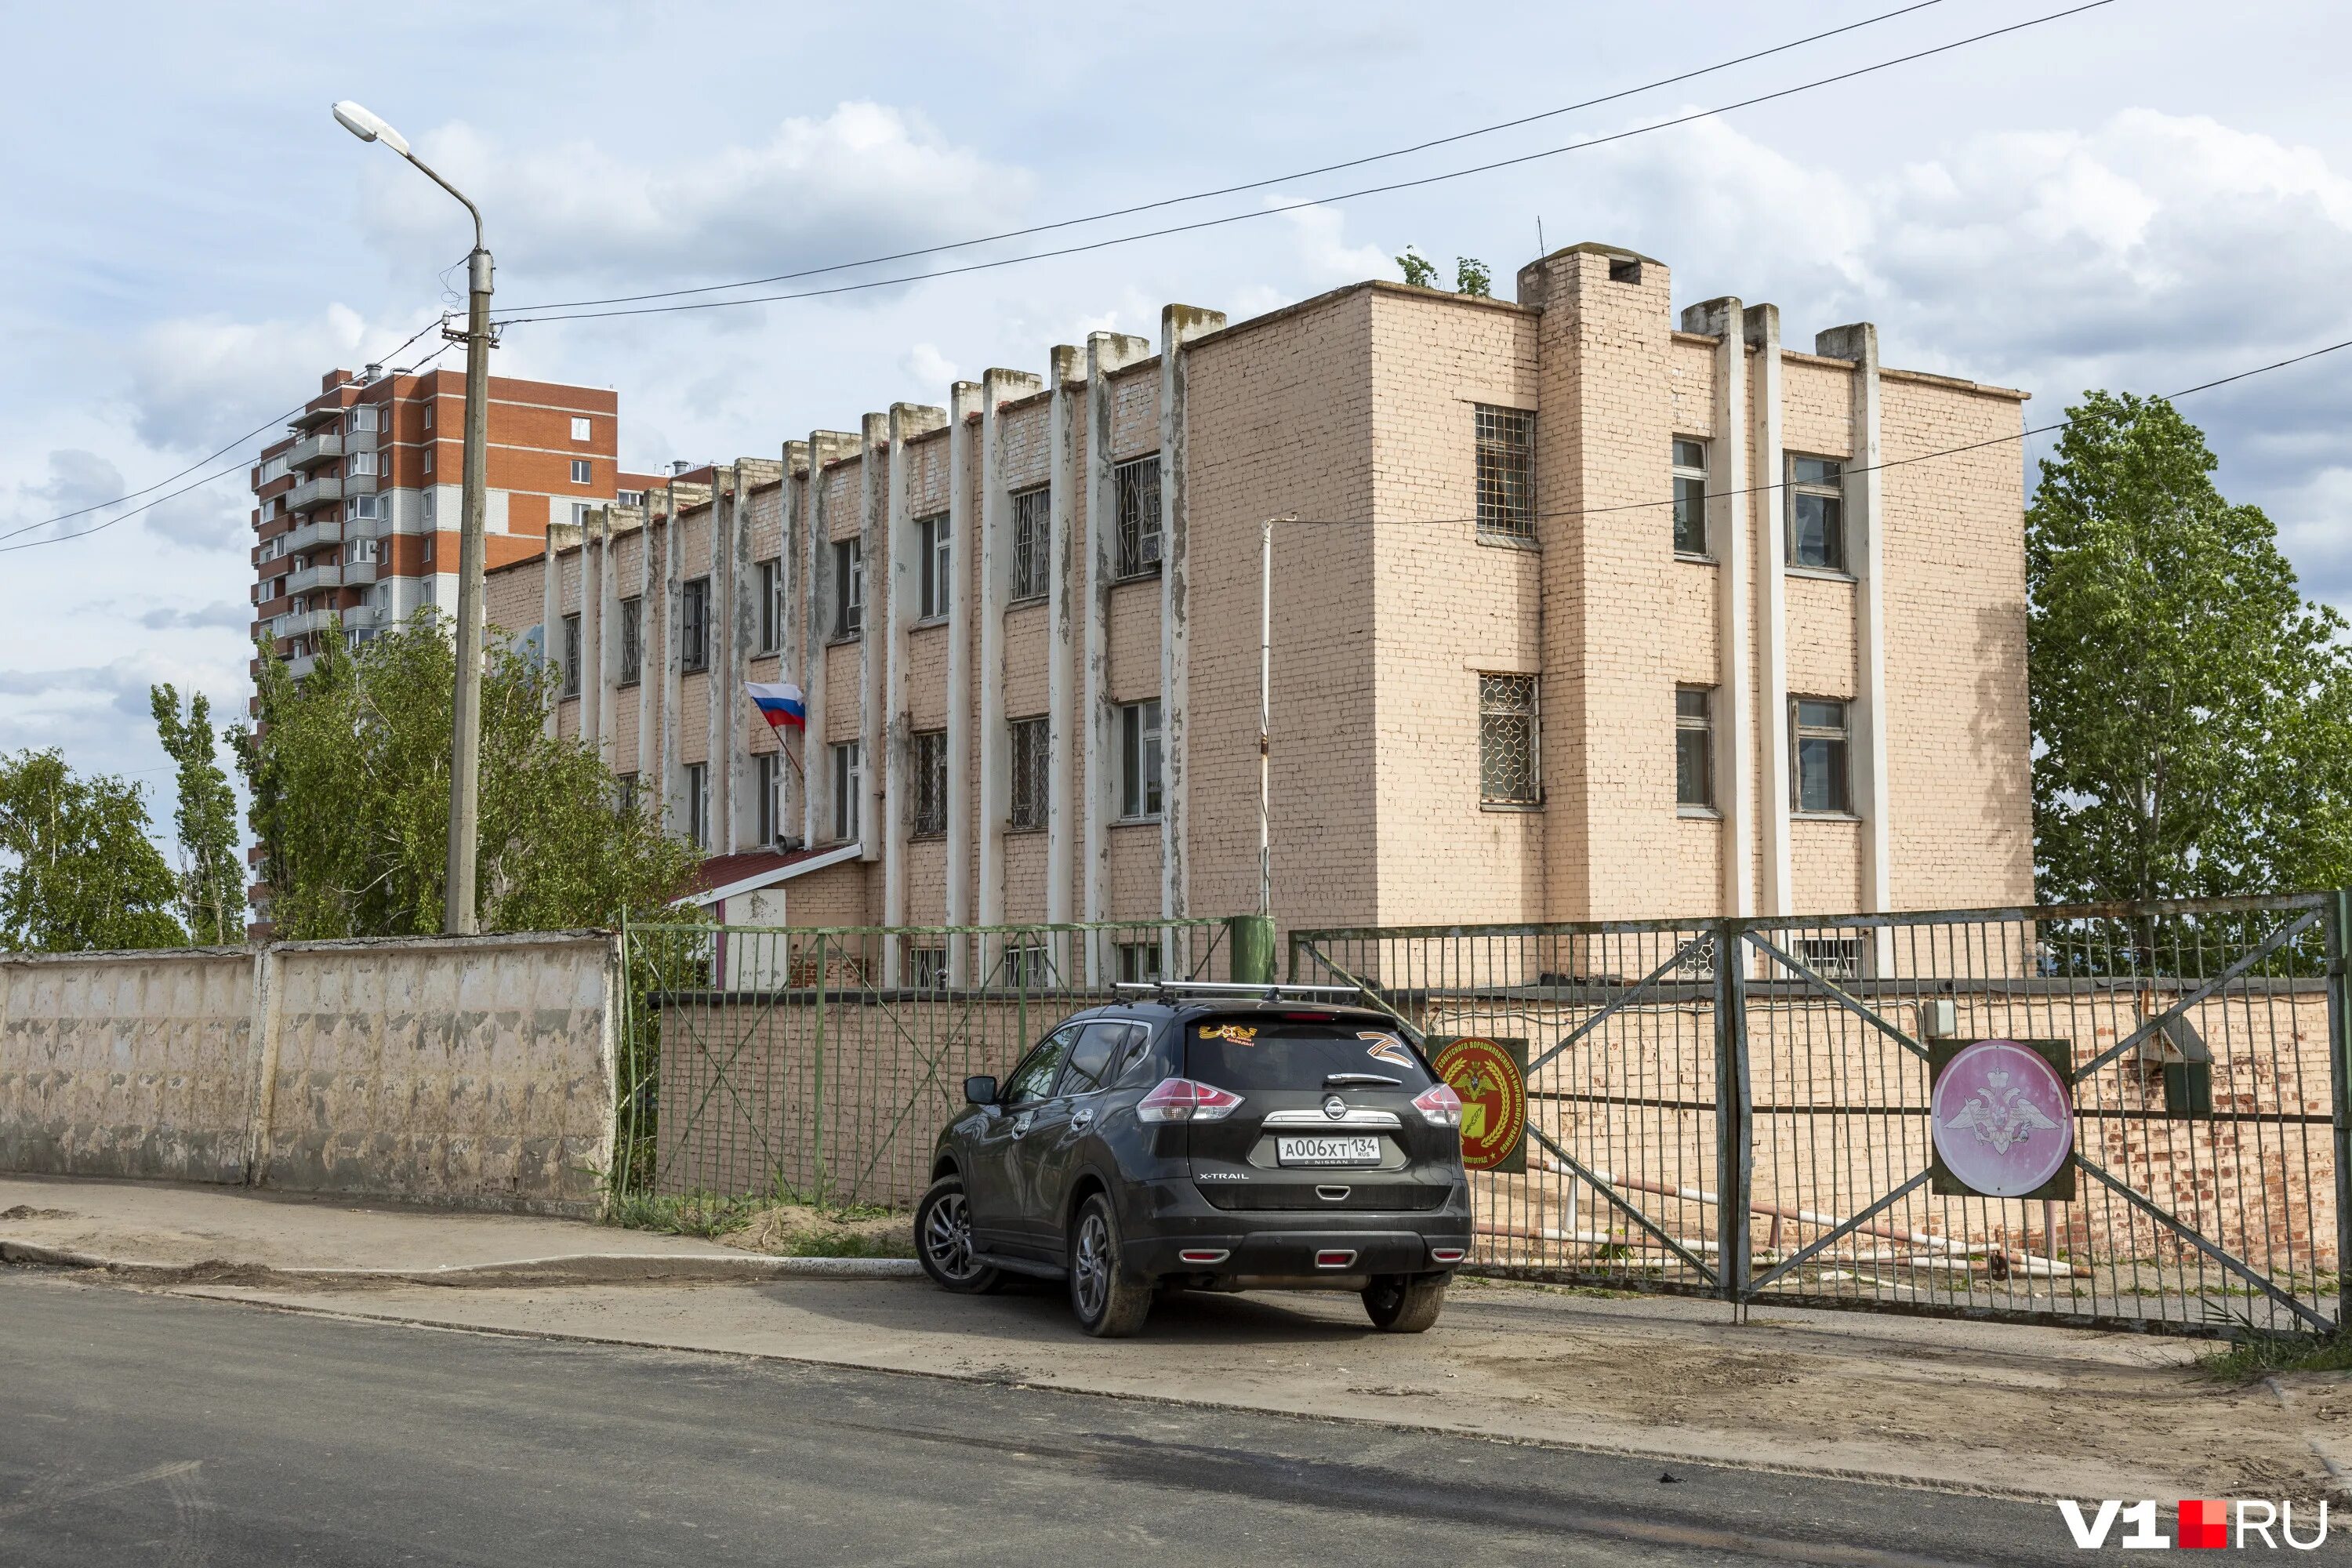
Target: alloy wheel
{"points": [[947, 1238], [1090, 1272]]}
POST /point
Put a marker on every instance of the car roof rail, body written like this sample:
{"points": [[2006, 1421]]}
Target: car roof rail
{"points": [[1173, 991]]}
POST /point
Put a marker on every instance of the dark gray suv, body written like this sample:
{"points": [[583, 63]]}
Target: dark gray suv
{"points": [[1193, 1139]]}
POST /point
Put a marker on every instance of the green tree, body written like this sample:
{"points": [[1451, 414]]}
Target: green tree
{"points": [[78, 873], [2191, 709], [1470, 276], [349, 770], [212, 883], [1418, 269]]}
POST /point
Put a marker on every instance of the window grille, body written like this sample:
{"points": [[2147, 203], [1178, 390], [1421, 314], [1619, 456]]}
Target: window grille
{"points": [[927, 968], [1033, 531], [930, 758], [1136, 486], [1030, 967], [1507, 475], [693, 626], [1817, 514], [1831, 957], [572, 655], [632, 642], [1690, 497], [1694, 746], [1506, 740], [1819, 758], [1031, 748]]}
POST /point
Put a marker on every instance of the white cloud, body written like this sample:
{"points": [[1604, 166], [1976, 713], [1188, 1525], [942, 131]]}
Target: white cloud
{"points": [[199, 381], [924, 366], [1320, 245]]}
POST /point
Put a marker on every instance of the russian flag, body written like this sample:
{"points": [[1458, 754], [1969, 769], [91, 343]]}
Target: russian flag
{"points": [[782, 705]]}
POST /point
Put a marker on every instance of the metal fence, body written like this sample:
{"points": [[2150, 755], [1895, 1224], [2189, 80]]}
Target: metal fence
{"points": [[820, 1064], [1741, 1108]]}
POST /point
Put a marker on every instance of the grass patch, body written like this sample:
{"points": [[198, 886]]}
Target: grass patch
{"points": [[2256, 1355], [780, 1224]]}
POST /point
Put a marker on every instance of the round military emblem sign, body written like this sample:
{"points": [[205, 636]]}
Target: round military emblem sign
{"points": [[1494, 1099], [2003, 1119]]}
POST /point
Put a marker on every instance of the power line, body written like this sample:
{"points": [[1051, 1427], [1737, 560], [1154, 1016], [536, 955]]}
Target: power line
{"points": [[158, 501], [1238, 189], [214, 457], [1319, 201], [1848, 469]]}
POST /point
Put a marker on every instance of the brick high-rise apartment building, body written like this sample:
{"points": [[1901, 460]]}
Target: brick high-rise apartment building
{"points": [[356, 511], [1593, 612]]}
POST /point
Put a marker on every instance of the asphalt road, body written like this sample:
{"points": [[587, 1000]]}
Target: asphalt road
{"points": [[139, 1428]]}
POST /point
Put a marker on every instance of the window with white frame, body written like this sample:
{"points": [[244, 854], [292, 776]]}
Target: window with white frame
{"points": [[768, 790], [633, 640], [1508, 772], [572, 655], [1031, 752], [363, 419], [271, 468], [580, 509], [428, 417], [359, 507], [694, 625], [579, 429], [771, 604], [630, 497], [1690, 497], [428, 496], [848, 588], [581, 473], [1033, 529], [1816, 511], [1138, 963], [846, 788], [359, 464], [932, 541], [930, 758], [1694, 746], [1139, 760], [428, 458], [1819, 752], [698, 805], [1135, 485], [1506, 470]]}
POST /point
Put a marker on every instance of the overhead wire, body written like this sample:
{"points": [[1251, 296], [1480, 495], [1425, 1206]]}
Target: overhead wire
{"points": [[1245, 186], [1228, 219]]}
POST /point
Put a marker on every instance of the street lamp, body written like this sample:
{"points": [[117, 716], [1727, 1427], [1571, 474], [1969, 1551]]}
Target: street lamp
{"points": [[466, 709]]}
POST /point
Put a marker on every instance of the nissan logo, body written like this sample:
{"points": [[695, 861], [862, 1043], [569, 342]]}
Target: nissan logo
{"points": [[1334, 1107]]}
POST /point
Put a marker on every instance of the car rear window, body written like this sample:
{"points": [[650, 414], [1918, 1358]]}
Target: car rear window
{"points": [[1269, 1051]]}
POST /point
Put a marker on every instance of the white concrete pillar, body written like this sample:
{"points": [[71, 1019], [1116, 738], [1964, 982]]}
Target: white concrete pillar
{"points": [[592, 630], [1865, 532], [1728, 511], [1179, 325], [964, 528], [902, 552], [736, 629], [997, 387], [1063, 478], [1106, 352], [792, 648], [816, 626], [1763, 335], [672, 671], [873, 547]]}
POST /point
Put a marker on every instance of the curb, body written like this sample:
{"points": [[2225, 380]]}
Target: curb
{"points": [[570, 1268]]}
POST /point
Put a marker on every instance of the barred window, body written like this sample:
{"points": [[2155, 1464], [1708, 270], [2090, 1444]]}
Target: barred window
{"points": [[1030, 967], [1506, 740], [1138, 963], [1032, 533], [1831, 957], [694, 625], [927, 968], [1817, 514], [1031, 748], [1694, 745], [572, 655], [1507, 471], [1137, 484], [1818, 758], [1690, 497], [930, 749], [633, 640]]}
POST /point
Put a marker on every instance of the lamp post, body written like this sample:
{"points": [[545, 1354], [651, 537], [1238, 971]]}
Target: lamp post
{"points": [[466, 707]]}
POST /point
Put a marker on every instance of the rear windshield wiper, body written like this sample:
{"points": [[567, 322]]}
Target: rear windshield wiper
{"points": [[1333, 1079]]}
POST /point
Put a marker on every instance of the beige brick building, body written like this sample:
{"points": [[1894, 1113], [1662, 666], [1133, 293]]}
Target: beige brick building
{"points": [[1590, 611]]}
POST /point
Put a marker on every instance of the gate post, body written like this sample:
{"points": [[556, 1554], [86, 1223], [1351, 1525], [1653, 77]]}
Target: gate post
{"points": [[1249, 941], [1734, 1153], [816, 1095], [2339, 1082]]}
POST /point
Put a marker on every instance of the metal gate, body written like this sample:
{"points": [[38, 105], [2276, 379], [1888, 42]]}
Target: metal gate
{"points": [[1743, 1109]]}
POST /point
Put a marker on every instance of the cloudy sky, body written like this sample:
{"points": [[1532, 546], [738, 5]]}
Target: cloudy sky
{"points": [[2146, 195]]}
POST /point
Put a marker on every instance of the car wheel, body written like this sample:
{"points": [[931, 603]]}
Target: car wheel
{"points": [[943, 1240], [1405, 1303], [1109, 1305]]}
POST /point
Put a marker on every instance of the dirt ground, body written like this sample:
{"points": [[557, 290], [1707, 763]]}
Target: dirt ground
{"points": [[798, 1230]]}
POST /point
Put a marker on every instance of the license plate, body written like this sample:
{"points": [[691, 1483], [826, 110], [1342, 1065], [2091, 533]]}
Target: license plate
{"points": [[1359, 1151]]}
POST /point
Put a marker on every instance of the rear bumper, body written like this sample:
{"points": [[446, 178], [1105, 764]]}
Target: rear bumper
{"points": [[1301, 1254]]}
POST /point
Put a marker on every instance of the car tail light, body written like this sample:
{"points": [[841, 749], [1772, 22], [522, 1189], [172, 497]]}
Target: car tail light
{"points": [[1183, 1100], [1439, 1105], [1448, 1254]]}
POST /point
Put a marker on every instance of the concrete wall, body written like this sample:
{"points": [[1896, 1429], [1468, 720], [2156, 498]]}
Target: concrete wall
{"points": [[475, 1072]]}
